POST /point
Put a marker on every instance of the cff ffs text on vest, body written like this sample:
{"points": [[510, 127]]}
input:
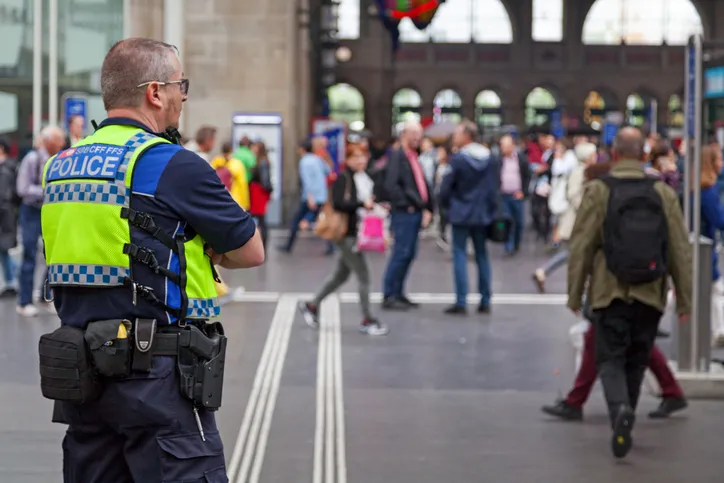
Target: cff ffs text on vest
{"points": [[94, 161]]}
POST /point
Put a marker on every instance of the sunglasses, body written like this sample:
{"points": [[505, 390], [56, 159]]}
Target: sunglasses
{"points": [[183, 85]]}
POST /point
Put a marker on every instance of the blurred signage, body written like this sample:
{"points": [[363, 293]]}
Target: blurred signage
{"points": [[714, 82], [691, 80], [335, 132], [266, 128], [557, 124], [74, 105]]}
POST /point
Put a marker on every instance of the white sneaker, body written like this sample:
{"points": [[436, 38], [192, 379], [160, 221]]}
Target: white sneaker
{"points": [[29, 310]]}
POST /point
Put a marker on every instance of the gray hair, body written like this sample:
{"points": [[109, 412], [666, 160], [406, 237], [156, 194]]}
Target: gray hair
{"points": [[629, 143], [470, 129], [132, 62], [48, 133]]}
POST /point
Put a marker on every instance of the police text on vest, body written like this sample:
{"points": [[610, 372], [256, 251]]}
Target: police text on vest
{"points": [[95, 161]]}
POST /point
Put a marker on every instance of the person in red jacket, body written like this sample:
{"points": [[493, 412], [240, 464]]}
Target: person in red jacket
{"points": [[260, 188]]}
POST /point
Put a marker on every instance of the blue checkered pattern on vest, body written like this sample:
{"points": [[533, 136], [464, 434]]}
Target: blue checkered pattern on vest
{"points": [[86, 275], [203, 308]]}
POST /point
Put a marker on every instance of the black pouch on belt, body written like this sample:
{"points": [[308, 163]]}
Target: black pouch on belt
{"points": [[66, 372], [144, 331], [110, 347]]}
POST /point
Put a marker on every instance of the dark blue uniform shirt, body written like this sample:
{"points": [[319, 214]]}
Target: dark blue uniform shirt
{"points": [[183, 194]]}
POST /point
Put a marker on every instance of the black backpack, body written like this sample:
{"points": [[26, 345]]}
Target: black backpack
{"points": [[635, 231]]}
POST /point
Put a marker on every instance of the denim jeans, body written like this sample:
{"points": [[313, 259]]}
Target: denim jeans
{"points": [[406, 228], [556, 261], [9, 268], [30, 229], [460, 235], [516, 210]]}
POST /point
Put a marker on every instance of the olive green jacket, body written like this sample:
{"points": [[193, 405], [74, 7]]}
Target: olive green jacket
{"points": [[587, 262]]}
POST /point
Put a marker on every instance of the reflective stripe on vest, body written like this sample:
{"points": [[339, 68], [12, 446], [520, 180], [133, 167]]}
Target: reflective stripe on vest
{"points": [[203, 308], [86, 275]]}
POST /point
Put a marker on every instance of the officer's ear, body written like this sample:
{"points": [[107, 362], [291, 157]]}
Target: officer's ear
{"points": [[153, 94]]}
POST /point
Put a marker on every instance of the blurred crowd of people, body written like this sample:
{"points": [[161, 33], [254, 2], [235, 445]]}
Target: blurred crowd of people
{"points": [[244, 170]]}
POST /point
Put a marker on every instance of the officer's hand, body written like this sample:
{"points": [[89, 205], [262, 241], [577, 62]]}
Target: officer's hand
{"points": [[215, 257]]}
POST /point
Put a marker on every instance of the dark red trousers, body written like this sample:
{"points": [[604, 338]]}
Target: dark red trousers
{"points": [[587, 374]]}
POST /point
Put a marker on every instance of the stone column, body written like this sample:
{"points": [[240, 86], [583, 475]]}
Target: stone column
{"points": [[147, 19], [241, 55]]}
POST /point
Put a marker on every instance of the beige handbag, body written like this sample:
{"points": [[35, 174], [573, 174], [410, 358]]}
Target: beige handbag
{"points": [[332, 224]]}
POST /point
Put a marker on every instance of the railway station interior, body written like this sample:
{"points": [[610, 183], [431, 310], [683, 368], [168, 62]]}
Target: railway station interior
{"points": [[442, 395]]}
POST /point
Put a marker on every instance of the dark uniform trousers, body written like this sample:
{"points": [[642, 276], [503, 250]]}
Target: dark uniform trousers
{"points": [[141, 430], [625, 335]]}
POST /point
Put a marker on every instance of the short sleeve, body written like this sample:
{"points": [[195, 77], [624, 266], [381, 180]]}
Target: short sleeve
{"points": [[193, 190]]}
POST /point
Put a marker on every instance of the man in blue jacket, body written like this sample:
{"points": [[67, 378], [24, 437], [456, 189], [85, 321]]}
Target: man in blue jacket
{"points": [[470, 193]]}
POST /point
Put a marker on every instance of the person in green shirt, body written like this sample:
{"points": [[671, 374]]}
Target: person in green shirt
{"points": [[243, 153]]}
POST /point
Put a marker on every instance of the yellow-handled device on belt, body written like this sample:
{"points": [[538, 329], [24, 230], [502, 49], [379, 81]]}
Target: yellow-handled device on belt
{"points": [[221, 288]]}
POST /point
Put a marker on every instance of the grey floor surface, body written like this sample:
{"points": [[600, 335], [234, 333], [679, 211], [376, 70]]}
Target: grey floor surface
{"points": [[439, 400]]}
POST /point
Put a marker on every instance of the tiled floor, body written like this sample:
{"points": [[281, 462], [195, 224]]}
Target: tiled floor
{"points": [[439, 400]]}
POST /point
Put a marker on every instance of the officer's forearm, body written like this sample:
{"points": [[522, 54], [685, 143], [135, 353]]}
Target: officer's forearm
{"points": [[248, 256]]}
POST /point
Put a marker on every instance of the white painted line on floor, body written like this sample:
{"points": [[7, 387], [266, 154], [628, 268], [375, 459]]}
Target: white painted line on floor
{"points": [[339, 396], [423, 298], [251, 442], [330, 461]]}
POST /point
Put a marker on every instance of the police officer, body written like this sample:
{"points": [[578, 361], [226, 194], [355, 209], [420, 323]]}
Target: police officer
{"points": [[133, 225]]}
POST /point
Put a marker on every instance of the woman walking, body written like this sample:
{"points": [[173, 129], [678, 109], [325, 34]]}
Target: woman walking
{"points": [[345, 199], [586, 155]]}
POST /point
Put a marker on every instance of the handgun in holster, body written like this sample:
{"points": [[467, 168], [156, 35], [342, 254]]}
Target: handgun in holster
{"points": [[201, 357]]}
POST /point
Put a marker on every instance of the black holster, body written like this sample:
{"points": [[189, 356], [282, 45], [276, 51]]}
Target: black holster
{"points": [[201, 357]]}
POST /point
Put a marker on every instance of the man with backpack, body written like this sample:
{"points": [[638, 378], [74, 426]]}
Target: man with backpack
{"points": [[629, 237]]}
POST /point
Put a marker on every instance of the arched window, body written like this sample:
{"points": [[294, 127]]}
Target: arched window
{"points": [[446, 107], [547, 20], [462, 21], [488, 112], [637, 110], [491, 23], [538, 106], [594, 110], [676, 112], [641, 22], [406, 105], [348, 19], [347, 104]]}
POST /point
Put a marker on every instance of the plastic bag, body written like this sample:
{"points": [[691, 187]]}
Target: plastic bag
{"points": [[371, 233], [577, 332]]}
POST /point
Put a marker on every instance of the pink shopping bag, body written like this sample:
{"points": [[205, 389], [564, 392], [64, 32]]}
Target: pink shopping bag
{"points": [[371, 233]]}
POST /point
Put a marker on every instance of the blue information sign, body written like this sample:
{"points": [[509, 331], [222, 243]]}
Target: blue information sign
{"points": [[557, 124], [609, 133], [691, 80], [714, 82], [75, 106], [336, 146]]}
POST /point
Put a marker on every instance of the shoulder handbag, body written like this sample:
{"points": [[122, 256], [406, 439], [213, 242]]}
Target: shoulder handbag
{"points": [[332, 224], [499, 229]]}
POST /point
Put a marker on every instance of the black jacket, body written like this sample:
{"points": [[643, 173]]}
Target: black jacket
{"points": [[344, 199], [9, 203], [401, 187], [525, 172]]}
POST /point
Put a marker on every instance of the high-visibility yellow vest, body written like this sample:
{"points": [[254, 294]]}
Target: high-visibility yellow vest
{"points": [[86, 219]]}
